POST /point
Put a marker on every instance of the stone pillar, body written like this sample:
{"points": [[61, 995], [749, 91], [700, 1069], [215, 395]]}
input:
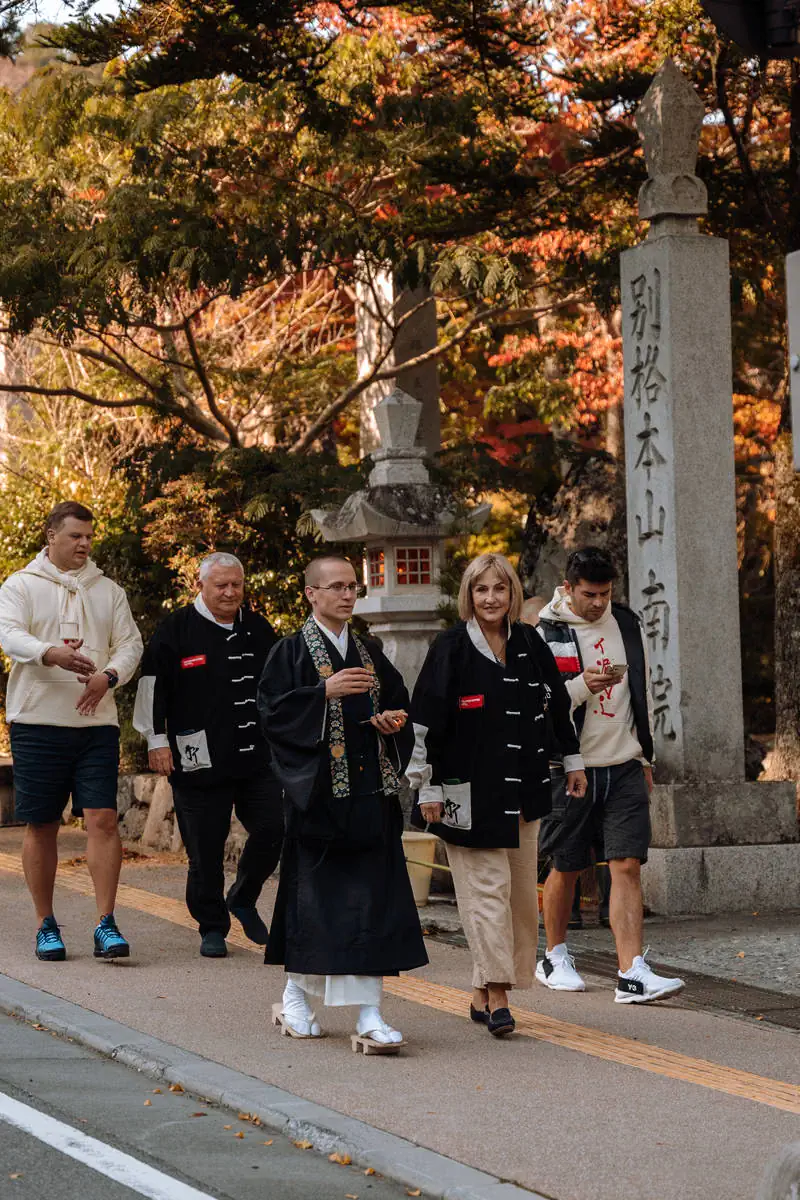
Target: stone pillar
{"points": [[379, 303], [683, 577]]}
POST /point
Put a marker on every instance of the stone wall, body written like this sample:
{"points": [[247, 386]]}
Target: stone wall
{"points": [[147, 816]]}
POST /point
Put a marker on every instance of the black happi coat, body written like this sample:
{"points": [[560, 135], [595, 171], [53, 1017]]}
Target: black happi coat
{"points": [[199, 677], [495, 727], [344, 904]]}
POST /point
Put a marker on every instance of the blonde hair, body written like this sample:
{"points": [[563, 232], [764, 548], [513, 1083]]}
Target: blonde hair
{"points": [[479, 566]]}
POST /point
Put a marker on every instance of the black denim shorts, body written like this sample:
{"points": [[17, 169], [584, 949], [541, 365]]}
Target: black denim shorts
{"points": [[52, 762], [611, 821]]}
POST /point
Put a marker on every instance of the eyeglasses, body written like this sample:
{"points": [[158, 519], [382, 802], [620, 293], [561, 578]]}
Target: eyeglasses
{"points": [[357, 589]]}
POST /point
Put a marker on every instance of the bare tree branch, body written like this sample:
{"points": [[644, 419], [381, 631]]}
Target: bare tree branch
{"points": [[205, 383]]}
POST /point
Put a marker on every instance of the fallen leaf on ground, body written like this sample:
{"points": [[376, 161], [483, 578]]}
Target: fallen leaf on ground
{"points": [[759, 1018], [175, 1087], [199, 1114], [304, 1145], [16, 1175], [147, 1103], [350, 1196], [157, 1092], [370, 1171], [343, 1160], [227, 1127], [37, 1026], [239, 1134], [416, 1192], [257, 1121], [269, 1143], [243, 1116], [740, 954]]}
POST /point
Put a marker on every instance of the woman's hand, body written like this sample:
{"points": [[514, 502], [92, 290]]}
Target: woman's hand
{"points": [[576, 783], [432, 813], [391, 721]]}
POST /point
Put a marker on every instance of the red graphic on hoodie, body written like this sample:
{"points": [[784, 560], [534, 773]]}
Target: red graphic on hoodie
{"points": [[603, 664]]}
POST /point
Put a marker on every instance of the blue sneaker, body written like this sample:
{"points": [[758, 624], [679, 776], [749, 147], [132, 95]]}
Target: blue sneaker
{"points": [[108, 941], [49, 946]]}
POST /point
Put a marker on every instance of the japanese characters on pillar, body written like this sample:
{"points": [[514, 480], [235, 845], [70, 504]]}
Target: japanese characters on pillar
{"points": [[650, 483]]}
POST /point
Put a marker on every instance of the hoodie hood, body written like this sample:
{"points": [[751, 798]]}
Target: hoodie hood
{"points": [[73, 587], [560, 609], [73, 581]]}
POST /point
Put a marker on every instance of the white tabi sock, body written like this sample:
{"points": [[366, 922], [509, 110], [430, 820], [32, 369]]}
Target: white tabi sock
{"points": [[297, 1012], [371, 1023]]}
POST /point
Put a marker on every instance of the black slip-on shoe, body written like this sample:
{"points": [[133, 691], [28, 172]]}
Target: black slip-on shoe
{"points": [[250, 921], [480, 1015], [212, 944], [501, 1023]]}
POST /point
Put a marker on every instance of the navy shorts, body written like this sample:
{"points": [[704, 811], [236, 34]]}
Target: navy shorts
{"points": [[54, 762], [611, 821]]}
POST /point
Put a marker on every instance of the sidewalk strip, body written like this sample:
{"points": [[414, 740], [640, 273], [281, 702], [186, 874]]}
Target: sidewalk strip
{"points": [[594, 1042], [106, 1160]]}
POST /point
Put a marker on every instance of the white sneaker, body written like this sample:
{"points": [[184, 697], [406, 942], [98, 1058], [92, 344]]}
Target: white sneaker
{"points": [[640, 984], [372, 1025], [557, 971]]}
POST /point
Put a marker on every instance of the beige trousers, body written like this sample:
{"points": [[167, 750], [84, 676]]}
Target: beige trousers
{"points": [[498, 903]]}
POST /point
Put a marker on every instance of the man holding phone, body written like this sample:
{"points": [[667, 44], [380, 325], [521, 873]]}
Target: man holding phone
{"points": [[600, 649]]}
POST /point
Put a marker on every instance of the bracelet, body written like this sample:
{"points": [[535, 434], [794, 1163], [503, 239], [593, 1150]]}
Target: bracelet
{"points": [[112, 677]]}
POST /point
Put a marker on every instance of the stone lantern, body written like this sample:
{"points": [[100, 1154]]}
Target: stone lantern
{"points": [[402, 519]]}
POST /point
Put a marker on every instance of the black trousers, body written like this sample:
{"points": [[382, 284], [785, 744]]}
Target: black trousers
{"points": [[204, 819]]}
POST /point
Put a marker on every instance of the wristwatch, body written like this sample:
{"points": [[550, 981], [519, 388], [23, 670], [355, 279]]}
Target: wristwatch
{"points": [[112, 676]]}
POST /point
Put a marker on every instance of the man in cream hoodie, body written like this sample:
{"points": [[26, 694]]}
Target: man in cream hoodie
{"points": [[71, 638], [601, 652]]}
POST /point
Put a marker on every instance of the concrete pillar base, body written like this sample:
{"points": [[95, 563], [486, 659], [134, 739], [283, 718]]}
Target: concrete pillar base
{"points": [[720, 812], [698, 880]]}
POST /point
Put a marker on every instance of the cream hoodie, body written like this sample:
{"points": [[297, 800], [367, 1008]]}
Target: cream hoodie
{"points": [[609, 733], [39, 606]]}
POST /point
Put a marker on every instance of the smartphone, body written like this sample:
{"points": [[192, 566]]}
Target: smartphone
{"points": [[617, 670]]}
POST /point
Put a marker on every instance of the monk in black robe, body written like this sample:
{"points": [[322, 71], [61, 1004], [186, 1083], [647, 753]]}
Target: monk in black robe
{"points": [[334, 711]]}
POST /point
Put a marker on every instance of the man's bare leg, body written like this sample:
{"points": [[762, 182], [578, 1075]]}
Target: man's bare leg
{"points": [[559, 890], [104, 856], [626, 914], [39, 862]]}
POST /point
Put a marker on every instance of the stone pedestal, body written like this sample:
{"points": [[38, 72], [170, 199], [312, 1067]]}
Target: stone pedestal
{"points": [[723, 812], [721, 879], [682, 555]]}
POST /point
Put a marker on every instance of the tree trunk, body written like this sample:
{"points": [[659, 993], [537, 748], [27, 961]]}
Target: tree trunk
{"points": [[784, 762]]}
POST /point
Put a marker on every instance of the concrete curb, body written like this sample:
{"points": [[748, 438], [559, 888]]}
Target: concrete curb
{"points": [[394, 1157]]}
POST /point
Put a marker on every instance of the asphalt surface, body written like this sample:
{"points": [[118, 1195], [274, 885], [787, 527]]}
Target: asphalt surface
{"points": [[558, 1111], [186, 1140]]}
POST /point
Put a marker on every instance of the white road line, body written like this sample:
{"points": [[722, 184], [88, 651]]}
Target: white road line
{"points": [[97, 1155]]}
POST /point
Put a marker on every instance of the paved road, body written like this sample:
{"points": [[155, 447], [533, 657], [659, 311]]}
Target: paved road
{"points": [[178, 1155], [590, 1101]]}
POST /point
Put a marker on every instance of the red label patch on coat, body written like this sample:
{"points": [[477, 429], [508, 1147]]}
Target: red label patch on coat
{"points": [[470, 701], [195, 660], [568, 664]]}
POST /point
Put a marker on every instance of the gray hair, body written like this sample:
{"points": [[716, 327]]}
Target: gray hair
{"points": [[218, 560]]}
